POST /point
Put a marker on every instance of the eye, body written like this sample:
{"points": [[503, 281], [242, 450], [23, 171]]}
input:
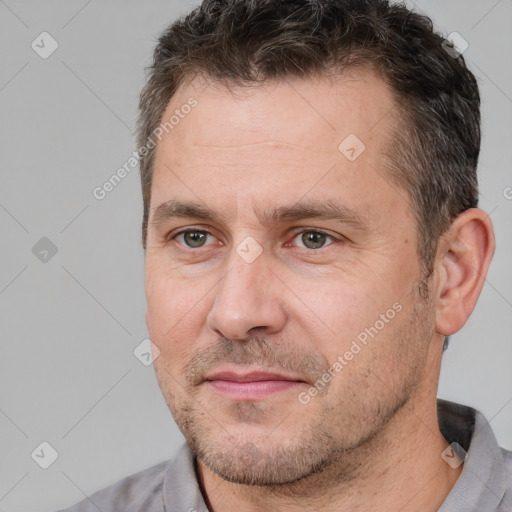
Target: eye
{"points": [[307, 239], [313, 239], [192, 238]]}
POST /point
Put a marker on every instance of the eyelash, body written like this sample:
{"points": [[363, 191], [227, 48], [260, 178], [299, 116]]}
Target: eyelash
{"points": [[316, 231]]}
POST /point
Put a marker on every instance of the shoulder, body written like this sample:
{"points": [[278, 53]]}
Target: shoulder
{"points": [[507, 498], [486, 479], [140, 491]]}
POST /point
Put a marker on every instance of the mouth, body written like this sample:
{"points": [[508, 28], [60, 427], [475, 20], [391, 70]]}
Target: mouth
{"points": [[251, 386]]}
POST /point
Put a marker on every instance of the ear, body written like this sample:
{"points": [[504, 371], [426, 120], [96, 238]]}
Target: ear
{"points": [[463, 257]]}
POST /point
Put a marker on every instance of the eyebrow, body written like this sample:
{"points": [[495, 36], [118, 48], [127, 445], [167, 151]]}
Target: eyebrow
{"points": [[312, 209]]}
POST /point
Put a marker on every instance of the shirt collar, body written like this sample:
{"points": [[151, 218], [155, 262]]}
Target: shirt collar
{"points": [[181, 487], [482, 483]]}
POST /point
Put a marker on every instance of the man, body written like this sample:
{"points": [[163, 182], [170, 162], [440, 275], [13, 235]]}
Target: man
{"points": [[312, 238]]}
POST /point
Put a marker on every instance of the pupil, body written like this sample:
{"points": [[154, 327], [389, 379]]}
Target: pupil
{"points": [[314, 239], [194, 238]]}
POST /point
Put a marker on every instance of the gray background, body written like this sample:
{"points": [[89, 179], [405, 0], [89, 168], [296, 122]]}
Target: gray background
{"points": [[70, 324]]}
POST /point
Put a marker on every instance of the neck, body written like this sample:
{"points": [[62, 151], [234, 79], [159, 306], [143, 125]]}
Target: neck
{"points": [[399, 469]]}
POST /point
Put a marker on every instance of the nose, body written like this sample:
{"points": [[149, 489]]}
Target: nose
{"points": [[248, 301]]}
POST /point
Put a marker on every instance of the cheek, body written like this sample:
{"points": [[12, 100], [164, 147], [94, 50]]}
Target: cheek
{"points": [[333, 311], [353, 317], [176, 313]]}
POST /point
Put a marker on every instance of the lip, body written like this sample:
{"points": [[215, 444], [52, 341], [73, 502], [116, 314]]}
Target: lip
{"points": [[254, 385], [256, 376]]}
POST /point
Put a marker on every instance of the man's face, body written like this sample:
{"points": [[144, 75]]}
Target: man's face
{"points": [[256, 304]]}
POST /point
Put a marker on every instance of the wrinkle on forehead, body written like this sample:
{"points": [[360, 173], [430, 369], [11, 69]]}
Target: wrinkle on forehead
{"points": [[270, 143], [259, 154]]}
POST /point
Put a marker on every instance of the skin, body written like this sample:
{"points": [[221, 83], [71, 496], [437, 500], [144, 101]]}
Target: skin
{"points": [[370, 439]]}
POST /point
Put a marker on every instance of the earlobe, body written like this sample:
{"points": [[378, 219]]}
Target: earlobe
{"points": [[464, 255]]}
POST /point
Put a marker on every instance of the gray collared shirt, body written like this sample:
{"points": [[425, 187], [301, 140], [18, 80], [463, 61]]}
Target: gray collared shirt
{"points": [[484, 485]]}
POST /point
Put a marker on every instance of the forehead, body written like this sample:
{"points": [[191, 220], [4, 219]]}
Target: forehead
{"points": [[320, 137], [312, 114]]}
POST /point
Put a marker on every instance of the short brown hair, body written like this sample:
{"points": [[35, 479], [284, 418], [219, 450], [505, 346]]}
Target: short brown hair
{"points": [[436, 143]]}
